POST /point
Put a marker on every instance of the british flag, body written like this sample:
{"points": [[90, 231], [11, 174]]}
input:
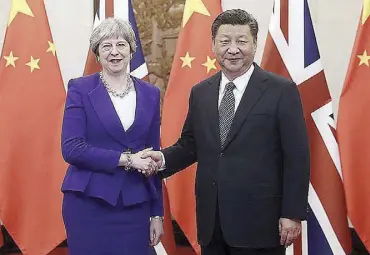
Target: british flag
{"points": [[291, 50]]}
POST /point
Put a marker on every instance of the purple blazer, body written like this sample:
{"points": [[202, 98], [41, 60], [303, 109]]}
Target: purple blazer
{"points": [[93, 139]]}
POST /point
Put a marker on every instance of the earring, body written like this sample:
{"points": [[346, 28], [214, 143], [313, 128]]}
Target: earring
{"points": [[97, 59]]}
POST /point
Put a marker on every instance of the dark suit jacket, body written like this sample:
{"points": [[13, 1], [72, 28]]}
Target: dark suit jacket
{"points": [[262, 173], [93, 139]]}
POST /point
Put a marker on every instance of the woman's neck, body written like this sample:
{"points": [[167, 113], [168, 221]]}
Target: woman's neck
{"points": [[117, 82]]}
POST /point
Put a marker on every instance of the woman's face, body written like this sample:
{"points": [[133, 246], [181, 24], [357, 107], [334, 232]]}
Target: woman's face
{"points": [[114, 55]]}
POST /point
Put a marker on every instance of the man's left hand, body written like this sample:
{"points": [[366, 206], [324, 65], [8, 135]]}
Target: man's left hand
{"points": [[289, 231]]}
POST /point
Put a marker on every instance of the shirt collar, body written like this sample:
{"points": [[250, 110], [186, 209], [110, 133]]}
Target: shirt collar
{"points": [[240, 82]]}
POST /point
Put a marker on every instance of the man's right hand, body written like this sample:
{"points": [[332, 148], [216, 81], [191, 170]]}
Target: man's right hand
{"points": [[156, 156]]}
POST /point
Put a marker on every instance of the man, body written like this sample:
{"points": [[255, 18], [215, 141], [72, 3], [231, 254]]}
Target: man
{"points": [[245, 128]]}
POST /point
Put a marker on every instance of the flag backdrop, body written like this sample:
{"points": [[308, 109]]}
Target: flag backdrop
{"points": [[291, 50], [353, 130], [32, 99], [193, 62], [138, 68]]}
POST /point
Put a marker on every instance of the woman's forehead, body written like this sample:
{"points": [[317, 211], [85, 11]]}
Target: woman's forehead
{"points": [[113, 39]]}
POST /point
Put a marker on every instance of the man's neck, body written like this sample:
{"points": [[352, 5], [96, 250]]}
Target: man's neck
{"points": [[233, 75]]}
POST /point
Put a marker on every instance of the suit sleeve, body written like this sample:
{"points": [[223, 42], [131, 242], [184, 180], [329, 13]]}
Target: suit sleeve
{"points": [[75, 150], [156, 207], [296, 154], [183, 153]]}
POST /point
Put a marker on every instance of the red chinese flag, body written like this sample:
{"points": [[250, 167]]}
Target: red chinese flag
{"points": [[32, 98], [353, 130], [193, 62]]}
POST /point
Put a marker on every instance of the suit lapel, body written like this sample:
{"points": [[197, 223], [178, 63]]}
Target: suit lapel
{"points": [[255, 89], [143, 112], [108, 116], [212, 107]]}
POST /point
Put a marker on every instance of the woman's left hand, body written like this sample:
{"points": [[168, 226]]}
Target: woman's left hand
{"points": [[156, 230]]}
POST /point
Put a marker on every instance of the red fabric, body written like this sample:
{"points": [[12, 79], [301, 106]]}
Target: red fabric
{"points": [[32, 100], [353, 131]]}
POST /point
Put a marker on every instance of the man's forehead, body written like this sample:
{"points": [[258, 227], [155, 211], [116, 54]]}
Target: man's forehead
{"points": [[239, 30]]}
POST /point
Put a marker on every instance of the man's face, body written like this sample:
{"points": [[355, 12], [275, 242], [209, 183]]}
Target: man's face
{"points": [[234, 48]]}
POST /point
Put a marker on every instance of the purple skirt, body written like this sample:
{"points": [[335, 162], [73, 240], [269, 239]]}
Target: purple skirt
{"points": [[95, 227]]}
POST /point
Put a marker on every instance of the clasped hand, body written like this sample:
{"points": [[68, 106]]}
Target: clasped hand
{"points": [[147, 161]]}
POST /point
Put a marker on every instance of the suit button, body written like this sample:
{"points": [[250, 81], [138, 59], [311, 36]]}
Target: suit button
{"points": [[214, 183]]}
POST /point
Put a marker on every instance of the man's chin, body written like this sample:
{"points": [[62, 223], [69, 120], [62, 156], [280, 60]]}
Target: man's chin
{"points": [[233, 69]]}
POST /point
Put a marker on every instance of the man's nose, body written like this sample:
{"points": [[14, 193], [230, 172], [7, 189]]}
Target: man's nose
{"points": [[233, 48]]}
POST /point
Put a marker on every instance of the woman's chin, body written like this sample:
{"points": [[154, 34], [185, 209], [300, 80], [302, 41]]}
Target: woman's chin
{"points": [[116, 70]]}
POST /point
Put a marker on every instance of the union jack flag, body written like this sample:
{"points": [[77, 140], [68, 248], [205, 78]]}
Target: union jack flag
{"points": [[291, 50]]}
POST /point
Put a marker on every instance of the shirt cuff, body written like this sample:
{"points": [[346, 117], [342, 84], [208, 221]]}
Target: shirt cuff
{"points": [[163, 166]]}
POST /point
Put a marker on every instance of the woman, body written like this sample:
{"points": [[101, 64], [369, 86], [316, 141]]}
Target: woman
{"points": [[109, 206]]}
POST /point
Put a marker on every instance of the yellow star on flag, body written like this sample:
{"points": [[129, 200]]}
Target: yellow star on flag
{"points": [[33, 64], [186, 61], [365, 11], [210, 64], [364, 58], [51, 48], [19, 6], [192, 6], [10, 60]]}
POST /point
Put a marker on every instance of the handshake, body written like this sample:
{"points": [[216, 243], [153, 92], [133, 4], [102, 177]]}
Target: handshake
{"points": [[147, 161]]}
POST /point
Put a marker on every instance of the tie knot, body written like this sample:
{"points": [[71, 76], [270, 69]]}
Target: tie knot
{"points": [[230, 86]]}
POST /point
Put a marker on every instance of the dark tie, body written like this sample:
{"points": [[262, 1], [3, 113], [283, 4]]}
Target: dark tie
{"points": [[226, 112]]}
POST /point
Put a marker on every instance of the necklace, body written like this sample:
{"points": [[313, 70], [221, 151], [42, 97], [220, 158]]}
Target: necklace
{"points": [[112, 91]]}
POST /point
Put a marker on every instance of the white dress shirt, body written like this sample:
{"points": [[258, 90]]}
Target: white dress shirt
{"points": [[240, 83], [125, 108]]}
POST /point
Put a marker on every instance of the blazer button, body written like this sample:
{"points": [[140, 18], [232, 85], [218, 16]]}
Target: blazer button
{"points": [[214, 183]]}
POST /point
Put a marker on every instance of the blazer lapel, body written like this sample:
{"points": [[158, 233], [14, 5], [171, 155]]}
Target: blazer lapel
{"points": [[211, 107], [104, 108], [255, 89], [143, 112]]}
